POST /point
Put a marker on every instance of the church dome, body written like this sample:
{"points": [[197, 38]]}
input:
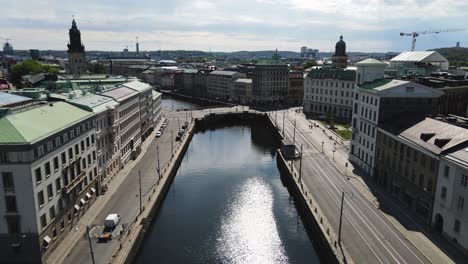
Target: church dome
{"points": [[340, 48]]}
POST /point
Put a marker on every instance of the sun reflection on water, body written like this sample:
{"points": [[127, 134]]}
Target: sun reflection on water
{"points": [[248, 231]]}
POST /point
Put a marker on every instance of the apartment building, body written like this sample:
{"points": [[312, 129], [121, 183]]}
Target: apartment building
{"points": [[48, 165], [126, 128], [146, 106], [243, 90], [108, 153], [376, 100], [220, 84], [450, 217], [330, 90], [295, 88], [408, 151]]}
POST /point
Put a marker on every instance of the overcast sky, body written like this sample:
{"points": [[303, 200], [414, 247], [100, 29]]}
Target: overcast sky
{"points": [[230, 25]]}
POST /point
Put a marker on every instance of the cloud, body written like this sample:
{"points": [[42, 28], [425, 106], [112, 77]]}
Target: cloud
{"points": [[371, 25]]}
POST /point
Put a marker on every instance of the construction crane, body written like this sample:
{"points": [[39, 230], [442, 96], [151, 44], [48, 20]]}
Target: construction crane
{"points": [[414, 35]]}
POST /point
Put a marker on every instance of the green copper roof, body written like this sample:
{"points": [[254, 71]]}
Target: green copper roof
{"points": [[332, 73], [275, 60], [375, 84], [39, 123]]}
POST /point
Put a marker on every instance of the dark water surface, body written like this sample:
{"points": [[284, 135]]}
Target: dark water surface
{"points": [[175, 104], [227, 204]]}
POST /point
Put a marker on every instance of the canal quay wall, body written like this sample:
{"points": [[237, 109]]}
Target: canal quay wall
{"points": [[315, 221], [324, 236]]}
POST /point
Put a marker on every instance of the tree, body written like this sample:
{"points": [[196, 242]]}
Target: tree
{"points": [[310, 63], [28, 67], [96, 68]]}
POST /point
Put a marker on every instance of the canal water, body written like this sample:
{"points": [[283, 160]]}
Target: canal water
{"points": [[227, 204], [175, 104]]}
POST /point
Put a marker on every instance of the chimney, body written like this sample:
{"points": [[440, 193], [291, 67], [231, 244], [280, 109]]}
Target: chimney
{"points": [[137, 47]]}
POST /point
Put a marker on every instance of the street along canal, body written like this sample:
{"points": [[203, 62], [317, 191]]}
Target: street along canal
{"points": [[228, 204]]}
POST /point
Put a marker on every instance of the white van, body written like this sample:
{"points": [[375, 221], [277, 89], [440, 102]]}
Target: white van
{"points": [[112, 221]]}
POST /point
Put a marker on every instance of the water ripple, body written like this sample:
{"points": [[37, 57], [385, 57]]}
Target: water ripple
{"points": [[248, 231]]}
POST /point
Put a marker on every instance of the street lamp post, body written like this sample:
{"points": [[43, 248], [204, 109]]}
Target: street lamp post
{"points": [[341, 218], [159, 168], [172, 143], [139, 177], [333, 154], [294, 134], [283, 123], [322, 146], [90, 245], [300, 167]]}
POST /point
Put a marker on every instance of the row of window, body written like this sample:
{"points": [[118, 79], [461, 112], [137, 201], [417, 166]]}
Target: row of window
{"points": [[89, 141], [129, 109], [335, 84], [62, 139]]}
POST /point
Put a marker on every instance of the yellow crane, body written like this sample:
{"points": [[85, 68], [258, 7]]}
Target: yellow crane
{"points": [[414, 35]]}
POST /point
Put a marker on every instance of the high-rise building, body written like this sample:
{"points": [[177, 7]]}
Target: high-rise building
{"points": [[76, 51], [303, 51], [340, 59]]}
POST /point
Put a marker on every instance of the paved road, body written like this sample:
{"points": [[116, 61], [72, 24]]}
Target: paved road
{"points": [[125, 201], [366, 233]]}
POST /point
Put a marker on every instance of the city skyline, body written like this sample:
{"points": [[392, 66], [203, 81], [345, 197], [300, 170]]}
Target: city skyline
{"points": [[244, 25]]}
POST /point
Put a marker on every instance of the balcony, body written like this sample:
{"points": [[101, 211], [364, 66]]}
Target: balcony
{"points": [[72, 184]]}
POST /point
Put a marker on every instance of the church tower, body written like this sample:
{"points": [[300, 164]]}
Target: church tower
{"points": [[340, 59], [76, 51]]}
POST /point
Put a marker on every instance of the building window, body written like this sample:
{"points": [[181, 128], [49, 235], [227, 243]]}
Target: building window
{"points": [[443, 193], [87, 142], [58, 185], [460, 203], [10, 202], [7, 178], [47, 169], [50, 192], [40, 199], [56, 164], [52, 213], [464, 179], [13, 225], [64, 158], [446, 171], [38, 173], [62, 224], [421, 180], [43, 221], [457, 226]]}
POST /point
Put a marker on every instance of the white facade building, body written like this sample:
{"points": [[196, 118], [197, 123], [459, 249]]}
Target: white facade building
{"points": [[329, 90], [221, 84], [49, 178], [450, 215], [375, 101]]}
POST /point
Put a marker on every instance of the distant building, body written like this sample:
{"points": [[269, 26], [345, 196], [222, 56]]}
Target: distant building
{"points": [[295, 88], [243, 91], [76, 51], [270, 81], [8, 49], [416, 63], [35, 54], [329, 90], [220, 84], [340, 59], [375, 101], [458, 44]]}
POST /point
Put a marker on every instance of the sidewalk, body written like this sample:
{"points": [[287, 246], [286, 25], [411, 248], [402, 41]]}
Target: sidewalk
{"points": [[417, 235], [66, 245]]}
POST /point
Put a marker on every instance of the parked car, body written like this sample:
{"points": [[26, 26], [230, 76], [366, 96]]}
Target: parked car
{"points": [[177, 138], [163, 125], [158, 134]]}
